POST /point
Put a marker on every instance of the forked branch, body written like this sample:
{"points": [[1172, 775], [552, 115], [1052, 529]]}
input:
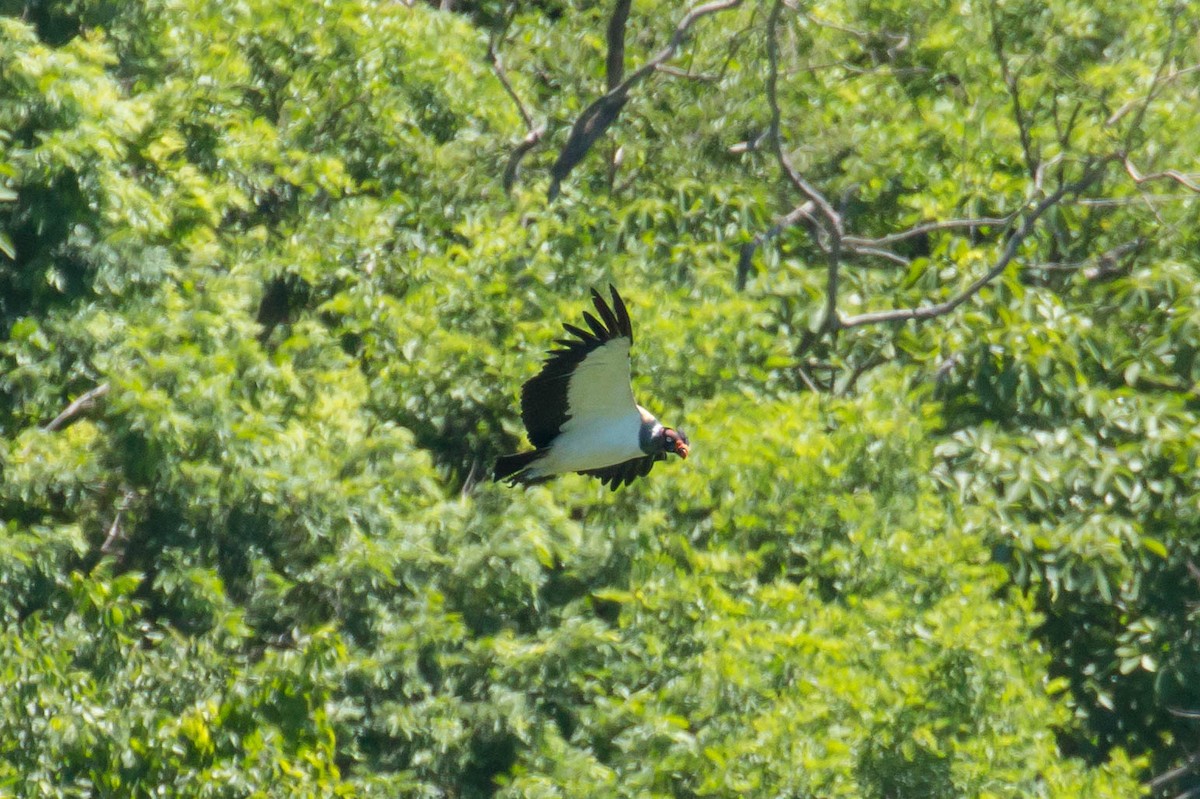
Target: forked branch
{"points": [[1013, 245], [535, 132], [603, 112], [84, 403]]}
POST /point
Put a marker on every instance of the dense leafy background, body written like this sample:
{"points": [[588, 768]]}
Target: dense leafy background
{"points": [[919, 559]]}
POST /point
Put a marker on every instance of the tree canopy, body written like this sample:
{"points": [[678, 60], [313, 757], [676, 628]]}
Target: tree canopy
{"points": [[920, 279]]}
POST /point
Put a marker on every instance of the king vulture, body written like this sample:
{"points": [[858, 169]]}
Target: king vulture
{"points": [[580, 413]]}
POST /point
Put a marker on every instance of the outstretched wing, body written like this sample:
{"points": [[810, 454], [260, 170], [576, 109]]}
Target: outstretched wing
{"points": [[586, 377], [625, 473]]}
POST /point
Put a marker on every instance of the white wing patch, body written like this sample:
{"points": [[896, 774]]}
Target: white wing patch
{"points": [[594, 445], [600, 386]]}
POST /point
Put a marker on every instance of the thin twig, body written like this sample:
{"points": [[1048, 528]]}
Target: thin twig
{"points": [[808, 381], [877, 252], [1014, 92], [1129, 105], [745, 258], [114, 530], [1168, 174], [1156, 84], [535, 132], [80, 406], [929, 227], [830, 321], [832, 219], [667, 69], [502, 74], [1097, 267], [1116, 202], [473, 477], [1189, 766], [519, 152], [1010, 250]]}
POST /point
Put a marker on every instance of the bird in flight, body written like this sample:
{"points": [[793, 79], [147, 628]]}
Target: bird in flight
{"points": [[580, 413]]}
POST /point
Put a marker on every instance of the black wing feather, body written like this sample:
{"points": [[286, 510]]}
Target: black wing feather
{"points": [[599, 330], [624, 326], [574, 331], [625, 473], [544, 397], [606, 313]]}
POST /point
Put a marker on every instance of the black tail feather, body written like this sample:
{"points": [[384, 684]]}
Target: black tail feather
{"points": [[511, 468]]}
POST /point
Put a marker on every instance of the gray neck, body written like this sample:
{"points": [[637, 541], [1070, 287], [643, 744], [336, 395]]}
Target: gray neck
{"points": [[650, 436]]}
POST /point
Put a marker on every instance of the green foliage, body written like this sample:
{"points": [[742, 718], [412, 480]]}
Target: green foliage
{"points": [[267, 247]]}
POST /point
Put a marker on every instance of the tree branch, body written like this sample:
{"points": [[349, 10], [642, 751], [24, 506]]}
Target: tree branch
{"points": [[1014, 92], [80, 406], [1169, 174], [928, 227], [1100, 267], [1129, 105], [1010, 250], [519, 152], [535, 132], [667, 69], [832, 220], [615, 64], [1189, 766], [502, 76], [1157, 83], [745, 258], [599, 116], [114, 530]]}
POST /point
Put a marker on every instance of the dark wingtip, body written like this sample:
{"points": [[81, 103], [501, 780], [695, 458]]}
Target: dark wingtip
{"points": [[624, 326], [612, 324]]}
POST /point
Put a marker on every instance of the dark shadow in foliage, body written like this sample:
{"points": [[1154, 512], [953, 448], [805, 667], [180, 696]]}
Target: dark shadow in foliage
{"points": [[889, 770], [492, 754], [283, 296], [56, 22], [40, 225]]}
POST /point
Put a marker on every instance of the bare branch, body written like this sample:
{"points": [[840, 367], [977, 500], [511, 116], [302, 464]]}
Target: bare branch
{"points": [[1194, 571], [1170, 174], [1010, 250], [615, 64], [1014, 92], [473, 478], [802, 211], [80, 406], [808, 381], [114, 530], [830, 321], [1129, 105], [502, 75], [600, 115], [1116, 202], [1156, 84], [1189, 766], [514, 161], [876, 252], [929, 227], [535, 132], [832, 218], [1101, 267], [667, 69]]}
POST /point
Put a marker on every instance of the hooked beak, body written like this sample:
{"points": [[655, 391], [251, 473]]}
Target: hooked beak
{"points": [[681, 449]]}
